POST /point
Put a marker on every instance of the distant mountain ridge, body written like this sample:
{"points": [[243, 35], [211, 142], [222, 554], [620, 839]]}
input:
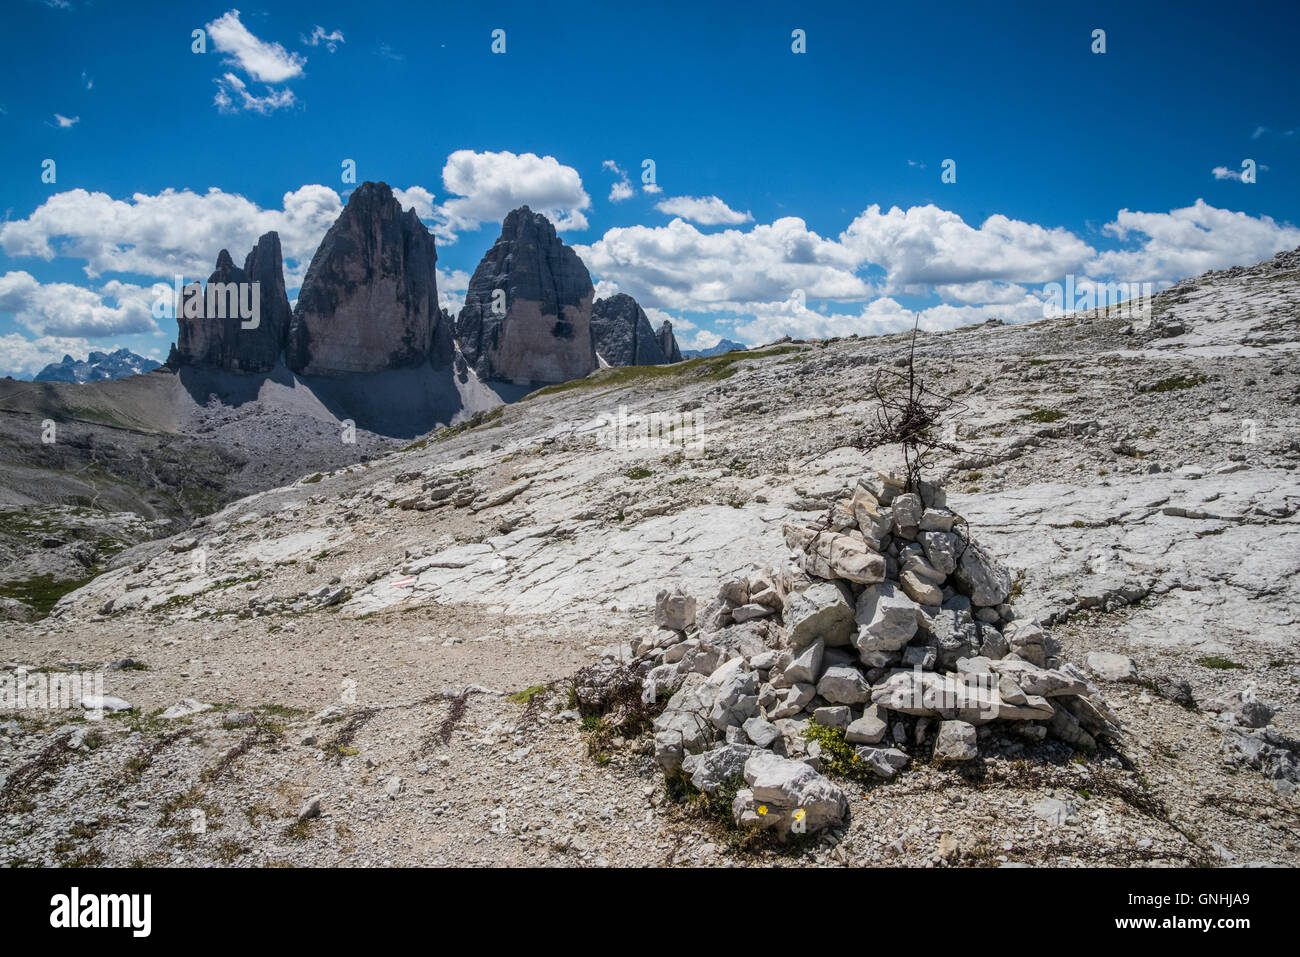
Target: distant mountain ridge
{"points": [[726, 345], [96, 367]]}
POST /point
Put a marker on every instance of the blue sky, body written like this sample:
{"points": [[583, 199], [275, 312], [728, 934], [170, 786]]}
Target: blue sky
{"points": [[794, 193]]}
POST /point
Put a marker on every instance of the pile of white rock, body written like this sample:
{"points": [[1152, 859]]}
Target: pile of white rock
{"points": [[891, 624], [1250, 740]]}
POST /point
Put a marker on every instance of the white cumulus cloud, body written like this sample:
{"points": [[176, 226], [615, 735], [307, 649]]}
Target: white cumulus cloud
{"points": [[233, 96], [926, 245], [488, 185], [622, 188], [451, 290], [417, 198], [264, 62], [22, 357], [62, 309], [658, 317], [767, 276], [172, 232], [681, 268], [706, 210], [1189, 241]]}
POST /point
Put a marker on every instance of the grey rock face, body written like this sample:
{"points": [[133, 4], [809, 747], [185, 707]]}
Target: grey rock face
{"points": [[623, 334], [763, 733], [806, 665], [369, 302], [887, 618], [883, 762], [208, 340], [844, 684], [794, 796], [260, 349], [830, 555], [1026, 639], [710, 770], [823, 610], [833, 716], [527, 315], [1269, 751], [674, 609], [1111, 667], [1177, 690], [956, 742], [1055, 811], [941, 549], [668, 342], [683, 727], [868, 729], [981, 576], [1242, 708], [11, 609]]}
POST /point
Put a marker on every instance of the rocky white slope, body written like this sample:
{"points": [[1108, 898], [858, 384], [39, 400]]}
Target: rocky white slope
{"points": [[359, 631]]}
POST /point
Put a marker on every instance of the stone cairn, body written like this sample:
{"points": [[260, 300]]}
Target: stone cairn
{"points": [[892, 625]]}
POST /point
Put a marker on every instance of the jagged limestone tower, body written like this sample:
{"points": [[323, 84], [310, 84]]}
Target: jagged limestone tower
{"points": [[527, 315]]}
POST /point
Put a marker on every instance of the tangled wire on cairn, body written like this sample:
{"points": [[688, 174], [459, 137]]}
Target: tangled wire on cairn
{"points": [[912, 419]]}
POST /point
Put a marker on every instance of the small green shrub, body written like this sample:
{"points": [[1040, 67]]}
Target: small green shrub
{"points": [[1218, 663], [1175, 382], [838, 756], [527, 695]]}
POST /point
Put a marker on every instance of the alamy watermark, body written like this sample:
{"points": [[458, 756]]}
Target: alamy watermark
{"points": [[654, 430], [220, 300], [22, 689], [1129, 300]]}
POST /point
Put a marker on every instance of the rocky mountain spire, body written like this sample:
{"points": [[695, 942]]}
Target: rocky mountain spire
{"points": [[668, 342], [623, 334], [527, 314], [217, 338], [261, 348], [369, 301], [203, 339]]}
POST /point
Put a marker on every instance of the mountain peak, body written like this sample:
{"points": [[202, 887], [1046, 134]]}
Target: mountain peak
{"points": [[223, 343], [96, 367], [369, 302], [527, 314], [623, 334]]}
